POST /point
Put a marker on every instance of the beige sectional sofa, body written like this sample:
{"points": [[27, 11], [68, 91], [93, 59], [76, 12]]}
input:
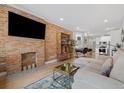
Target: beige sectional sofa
{"points": [[89, 75]]}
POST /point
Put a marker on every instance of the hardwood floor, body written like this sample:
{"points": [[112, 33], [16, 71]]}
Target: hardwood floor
{"points": [[22, 79]]}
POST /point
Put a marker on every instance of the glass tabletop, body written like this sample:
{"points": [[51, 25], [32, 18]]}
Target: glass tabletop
{"points": [[67, 67]]}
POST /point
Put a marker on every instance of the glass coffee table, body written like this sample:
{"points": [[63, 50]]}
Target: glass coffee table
{"points": [[66, 72]]}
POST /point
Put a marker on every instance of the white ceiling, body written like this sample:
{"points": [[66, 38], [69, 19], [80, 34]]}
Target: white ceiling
{"points": [[84, 16]]}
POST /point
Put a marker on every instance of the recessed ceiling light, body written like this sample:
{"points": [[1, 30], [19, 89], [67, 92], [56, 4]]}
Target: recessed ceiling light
{"points": [[77, 28], [105, 21], [61, 19]]}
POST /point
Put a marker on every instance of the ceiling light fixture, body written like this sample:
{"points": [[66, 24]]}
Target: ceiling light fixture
{"points": [[77, 28], [61, 19], [105, 21]]}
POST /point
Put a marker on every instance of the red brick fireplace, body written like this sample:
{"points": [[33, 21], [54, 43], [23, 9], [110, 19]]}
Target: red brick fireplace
{"points": [[16, 47]]}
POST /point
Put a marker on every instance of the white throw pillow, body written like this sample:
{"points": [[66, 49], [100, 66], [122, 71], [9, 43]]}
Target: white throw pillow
{"points": [[106, 67], [118, 69], [117, 54]]}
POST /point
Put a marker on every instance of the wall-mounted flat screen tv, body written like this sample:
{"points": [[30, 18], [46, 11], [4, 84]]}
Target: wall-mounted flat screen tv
{"points": [[25, 27]]}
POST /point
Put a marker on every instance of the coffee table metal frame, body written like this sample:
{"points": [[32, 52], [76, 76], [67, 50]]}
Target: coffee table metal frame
{"points": [[68, 73]]}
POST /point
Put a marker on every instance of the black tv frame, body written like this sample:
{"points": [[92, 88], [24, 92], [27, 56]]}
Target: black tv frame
{"points": [[25, 27]]}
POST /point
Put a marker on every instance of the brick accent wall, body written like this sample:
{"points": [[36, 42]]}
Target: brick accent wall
{"points": [[53, 40], [12, 47]]}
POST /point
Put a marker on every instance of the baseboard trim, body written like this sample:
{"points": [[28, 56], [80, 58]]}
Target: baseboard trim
{"points": [[51, 61]]}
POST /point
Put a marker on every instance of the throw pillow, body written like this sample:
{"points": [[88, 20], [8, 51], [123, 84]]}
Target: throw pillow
{"points": [[118, 69], [106, 67]]}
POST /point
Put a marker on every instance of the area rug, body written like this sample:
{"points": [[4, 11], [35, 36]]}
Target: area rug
{"points": [[48, 83]]}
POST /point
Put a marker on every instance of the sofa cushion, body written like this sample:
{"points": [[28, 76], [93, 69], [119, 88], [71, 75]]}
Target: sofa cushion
{"points": [[87, 68], [106, 67], [118, 69], [102, 57], [80, 62], [95, 65], [87, 79], [117, 54]]}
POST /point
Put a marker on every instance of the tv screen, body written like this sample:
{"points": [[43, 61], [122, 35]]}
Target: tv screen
{"points": [[25, 27]]}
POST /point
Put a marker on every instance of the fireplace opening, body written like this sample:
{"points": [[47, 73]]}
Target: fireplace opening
{"points": [[28, 60]]}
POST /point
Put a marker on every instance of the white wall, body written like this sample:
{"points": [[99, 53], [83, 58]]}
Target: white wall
{"points": [[115, 36], [105, 38]]}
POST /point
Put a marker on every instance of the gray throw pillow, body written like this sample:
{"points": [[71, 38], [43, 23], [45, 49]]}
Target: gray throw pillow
{"points": [[106, 67]]}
